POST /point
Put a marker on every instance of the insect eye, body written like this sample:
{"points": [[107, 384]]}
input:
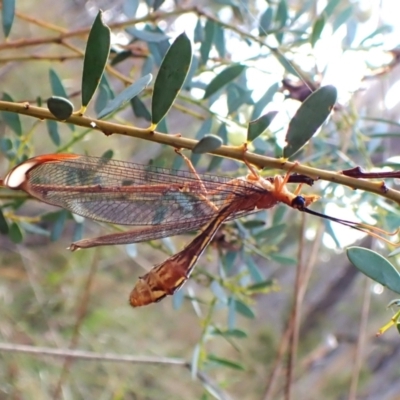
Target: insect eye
{"points": [[299, 202]]}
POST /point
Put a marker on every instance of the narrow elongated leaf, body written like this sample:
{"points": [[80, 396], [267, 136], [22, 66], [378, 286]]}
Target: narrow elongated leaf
{"points": [[309, 117], [198, 32], [57, 88], [126, 95], [3, 224], [342, 18], [317, 29], [271, 233], [104, 94], [139, 109], [96, 56], [15, 233], [255, 273], [219, 40], [60, 107], [205, 128], [330, 7], [265, 99], [207, 42], [130, 7], [157, 4], [11, 119], [257, 127], [375, 266], [52, 128], [244, 309], [7, 16], [58, 226], [265, 21], [147, 36], [281, 14], [207, 143], [225, 363], [171, 76], [237, 333], [223, 78]]}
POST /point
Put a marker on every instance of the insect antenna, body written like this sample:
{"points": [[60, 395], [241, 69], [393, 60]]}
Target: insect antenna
{"points": [[360, 226]]}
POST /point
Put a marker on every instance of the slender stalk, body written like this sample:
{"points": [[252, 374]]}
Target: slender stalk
{"points": [[234, 152]]}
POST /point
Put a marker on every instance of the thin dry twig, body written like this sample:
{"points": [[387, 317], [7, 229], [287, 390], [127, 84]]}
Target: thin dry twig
{"points": [[82, 311], [361, 339], [234, 152], [277, 366], [295, 314], [112, 357]]}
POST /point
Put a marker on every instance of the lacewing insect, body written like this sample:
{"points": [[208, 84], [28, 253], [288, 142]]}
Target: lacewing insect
{"points": [[161, 202]]}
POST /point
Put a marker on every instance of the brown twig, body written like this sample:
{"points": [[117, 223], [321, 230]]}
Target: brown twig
{"points": [[82, 311], [360, 340], [294, 318], [234, 152], [112, 357], [277, 366]]}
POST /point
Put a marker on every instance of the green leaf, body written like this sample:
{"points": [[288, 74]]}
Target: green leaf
{"points": [[7, 14], [171, 77], [52, 128], [3, 224], [255, 273], [207, 144], [261, 287], [224, 362], [157, 4], [6, 145], [264, 101], [205, 128], [177, 299], [309, 117], [384, 29], [244, 309], [265, 21], [223, 78], [11, 119], [257, 127], [130, 7], [342, 18], [58, 226], [207, 41], [219, 40], [96, 56], [126, 95], [375, 266], [279, 258], [60, 107], [331, 7], [237, 333], [108, 154], [272, 232], [317, 29], [290, 69], [15, 233], [104, 96], [281, 14], [139, 109], [57, 88], [198, 32], [147, 36]]}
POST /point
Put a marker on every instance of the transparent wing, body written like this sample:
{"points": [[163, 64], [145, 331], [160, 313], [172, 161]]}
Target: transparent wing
{"points": [[130, 194]]}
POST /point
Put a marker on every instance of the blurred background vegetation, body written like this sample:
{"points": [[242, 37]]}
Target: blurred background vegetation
{"points": [[215, 338]]}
